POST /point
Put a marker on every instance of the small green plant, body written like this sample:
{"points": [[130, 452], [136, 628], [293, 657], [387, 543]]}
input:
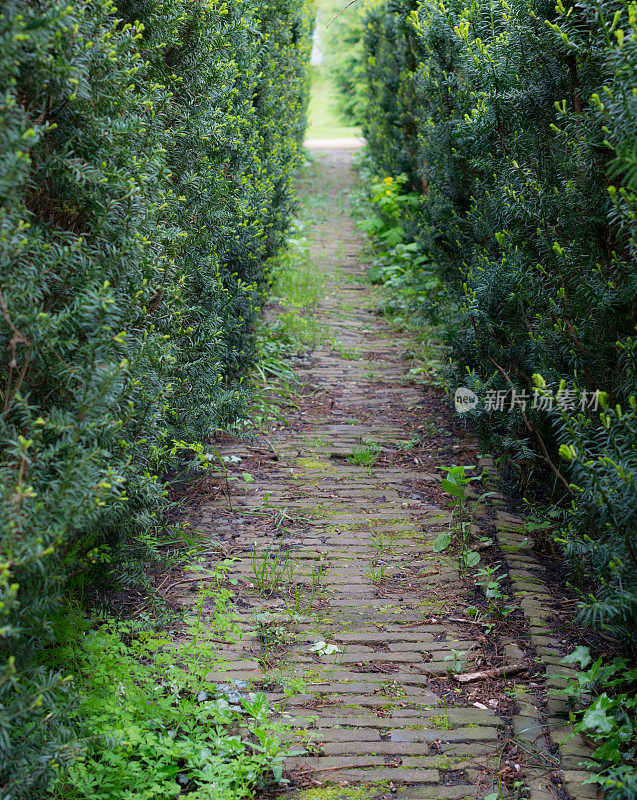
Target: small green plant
{"points": [[392, 689], [320, 441], [431, 429], [383, 543], [377, 571], [269, 633], [343, 352], [458, 661], [377, 541], [272, 567], [409, 444], [299, 602], [442, 721], [317, 575], [271, 636], [490, 580], [366, 455], [518, 790], [455, 484], [479, 616], [390, 199]]}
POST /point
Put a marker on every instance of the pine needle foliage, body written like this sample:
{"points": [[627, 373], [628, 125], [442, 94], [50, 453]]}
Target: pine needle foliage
{"points": [[516, 124], [146, 158]]}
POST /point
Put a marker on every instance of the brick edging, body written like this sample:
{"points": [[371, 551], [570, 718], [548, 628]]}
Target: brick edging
{"points": [[530, 593]]}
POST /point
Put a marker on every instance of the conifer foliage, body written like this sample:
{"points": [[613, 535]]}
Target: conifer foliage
{"points": [[146, 158], [516, 124]]}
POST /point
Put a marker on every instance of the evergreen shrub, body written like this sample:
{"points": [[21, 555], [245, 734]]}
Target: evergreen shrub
{"points": [[516, 123], [343, 41], [146, 158]]}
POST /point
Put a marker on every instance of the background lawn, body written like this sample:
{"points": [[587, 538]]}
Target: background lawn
{"points": [[324, 122]]}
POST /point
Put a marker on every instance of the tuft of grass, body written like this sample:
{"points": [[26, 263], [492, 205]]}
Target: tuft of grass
{"points": [[297, 287], [366, 455]]}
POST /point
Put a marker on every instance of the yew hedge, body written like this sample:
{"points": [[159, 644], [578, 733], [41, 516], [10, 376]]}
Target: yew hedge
{"points": [[146, 158], [516, 125]]}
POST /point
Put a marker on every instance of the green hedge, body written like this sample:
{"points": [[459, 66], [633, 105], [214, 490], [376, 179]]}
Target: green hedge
{"points": [[146, 158], [342, 37], [516, 125]]}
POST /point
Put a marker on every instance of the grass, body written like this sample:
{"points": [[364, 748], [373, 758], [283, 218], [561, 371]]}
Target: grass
{"points": [[366, 455], [297, 287], [323, 118]]}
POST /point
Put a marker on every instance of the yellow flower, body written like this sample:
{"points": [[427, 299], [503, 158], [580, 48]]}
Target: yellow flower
{"points": [[389, 180]]}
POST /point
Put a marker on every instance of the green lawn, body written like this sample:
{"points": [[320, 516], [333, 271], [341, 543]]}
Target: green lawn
{"points": [[323, 118]]}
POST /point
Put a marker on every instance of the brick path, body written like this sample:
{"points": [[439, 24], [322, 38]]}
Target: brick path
{"points": [[379, 710]]}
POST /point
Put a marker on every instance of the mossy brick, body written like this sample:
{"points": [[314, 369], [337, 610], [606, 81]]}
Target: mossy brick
{"points": [[543, 639], [564, 736], [574, 781], [526, 582], [575, 748], [446, 737], [576, 762], [437, 649], [379, 657], [324, 763], [557, 706], [540, 788], [508, 518], [466, 749], [547, 652], [534, 604], [526, 709], [531, 730], [338, 700], [450, 792], [349, 735], [379, 747], [556, 681], [376, 678], [377, 774], [560, 669], [384, 637], [455, 717], [513, 653], [444, 763], [532, 598]]}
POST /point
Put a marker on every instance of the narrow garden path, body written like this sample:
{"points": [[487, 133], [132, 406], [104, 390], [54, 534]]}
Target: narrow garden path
{"points": [[347, 618]]}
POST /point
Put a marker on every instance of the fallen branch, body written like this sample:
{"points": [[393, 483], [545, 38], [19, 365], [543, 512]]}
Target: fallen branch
{"points": [[487, 674]]}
